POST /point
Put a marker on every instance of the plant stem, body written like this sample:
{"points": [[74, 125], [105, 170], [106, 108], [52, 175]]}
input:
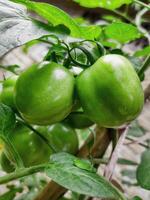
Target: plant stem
{"points": [[21, 173], [144, 66], [6, 69], [13, 152], [142, 4], [37, 132], [141, 144], [100, 160], [124, 16]]}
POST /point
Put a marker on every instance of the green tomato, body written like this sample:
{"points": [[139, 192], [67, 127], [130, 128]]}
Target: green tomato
{"points": [[44, 93], [79, 120], [31, 148], [7, 94], [110, 91], [6, 164], [61, 137]]}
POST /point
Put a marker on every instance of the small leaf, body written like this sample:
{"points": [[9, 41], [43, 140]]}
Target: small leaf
{"points": [[122, 32], [136, 198], [123, 161], [131, 173], [63, 171], [7, 119], [143, 171], [135, 130], [10, 68], [143, 52], [84, 164], [103, 3]]}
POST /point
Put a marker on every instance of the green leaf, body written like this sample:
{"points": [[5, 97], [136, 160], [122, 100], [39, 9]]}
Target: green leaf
{"points": [[143, 52], [7, 119], [64, 172], [124, 161], [122, 32], [136, 198], [17, 28], [135, 130], [57, 16], [103, 3], [131, 173], [84, 164], [10, 68], [143, 171], [10, 194]]}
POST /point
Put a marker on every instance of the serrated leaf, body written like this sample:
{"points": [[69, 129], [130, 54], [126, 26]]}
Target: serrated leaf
{"points": [[17, 28], [143, 171], [7, 119], [122, 32], [103, 3], [64, 172], [57, 16]]}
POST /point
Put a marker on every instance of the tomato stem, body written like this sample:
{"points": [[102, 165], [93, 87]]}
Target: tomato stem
{"points": [[144, 66], [8, 70], [142, 4], [39, 134], [22, 173], [13, 152]]}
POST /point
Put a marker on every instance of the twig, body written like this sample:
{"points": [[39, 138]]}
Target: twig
{"points": [[142, 4], [133, 141], [124, 16], [138, 22], [22, 172], [145, 65], [98, 161], [36, 132], [147, 93], [108, 173], [54, 191]]}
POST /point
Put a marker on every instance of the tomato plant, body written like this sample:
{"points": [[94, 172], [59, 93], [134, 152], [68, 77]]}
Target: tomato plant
{"points": [[84, 91]]}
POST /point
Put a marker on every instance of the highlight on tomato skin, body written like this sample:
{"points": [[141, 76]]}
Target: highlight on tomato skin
{"points": [[110, 91]]}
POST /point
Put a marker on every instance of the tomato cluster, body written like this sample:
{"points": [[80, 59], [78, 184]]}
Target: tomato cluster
{"points": [[109, 92]]}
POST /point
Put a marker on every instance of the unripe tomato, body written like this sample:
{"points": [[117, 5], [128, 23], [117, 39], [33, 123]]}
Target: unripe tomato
{"points": [[6, 164], [61, 137], [31, 148], [7, 94], [79, 120], [110, 91], [44, 93]]}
